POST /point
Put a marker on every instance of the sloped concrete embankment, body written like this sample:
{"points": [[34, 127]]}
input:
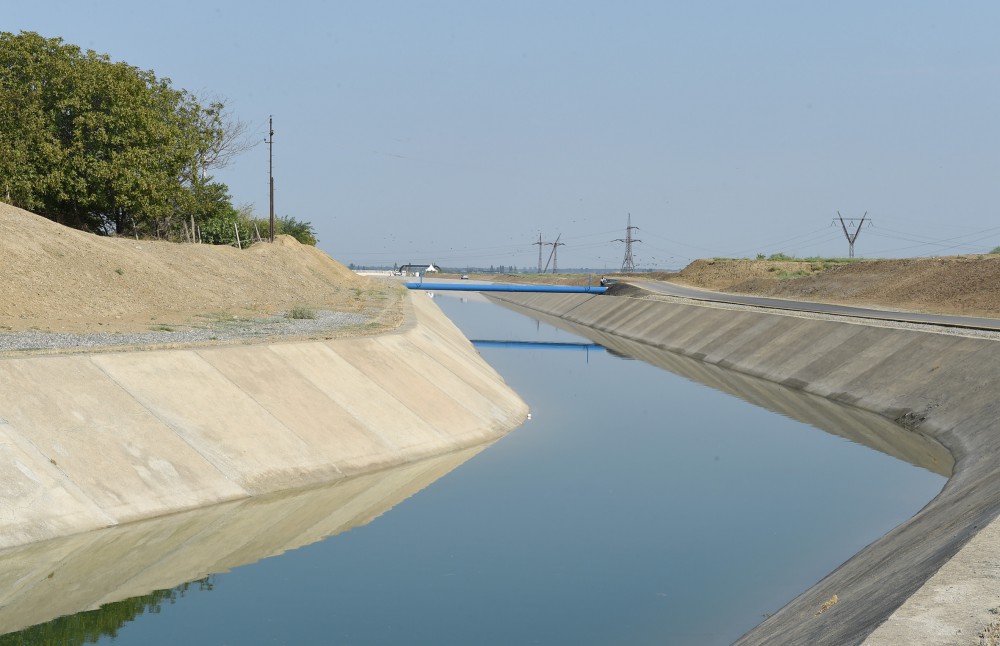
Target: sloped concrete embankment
{"points": [[96, 440], [939, 386]]}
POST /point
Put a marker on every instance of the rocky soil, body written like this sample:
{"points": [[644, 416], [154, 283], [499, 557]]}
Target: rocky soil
{"points": [[60, 280]]}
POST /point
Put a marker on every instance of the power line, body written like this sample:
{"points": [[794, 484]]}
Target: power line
{"points": [[809, 236], [900, 235], [941, 244]]}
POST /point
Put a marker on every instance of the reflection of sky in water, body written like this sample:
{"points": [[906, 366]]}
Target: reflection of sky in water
{"points": [[636, 507]]}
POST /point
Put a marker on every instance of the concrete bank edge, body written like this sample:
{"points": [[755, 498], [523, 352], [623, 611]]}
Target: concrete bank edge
{"points": [[938, 385], [96, 440]]}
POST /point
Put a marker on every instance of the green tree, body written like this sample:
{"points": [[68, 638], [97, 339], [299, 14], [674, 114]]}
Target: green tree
{"points": [[301, 231], [217, 218], [105, 146]]}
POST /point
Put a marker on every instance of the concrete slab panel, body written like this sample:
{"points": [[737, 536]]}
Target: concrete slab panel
{"points": [[37, 500], [87, 427], [359, 395], [320, 422], [458, 385], [216, 418], [377, 359]]}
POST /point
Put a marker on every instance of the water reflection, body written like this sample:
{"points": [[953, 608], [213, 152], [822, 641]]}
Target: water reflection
{"points": [[111, 573], [90, 626], [856, 425]]}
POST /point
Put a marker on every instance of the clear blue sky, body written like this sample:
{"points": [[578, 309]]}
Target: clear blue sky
{"points": [[456, 132]]}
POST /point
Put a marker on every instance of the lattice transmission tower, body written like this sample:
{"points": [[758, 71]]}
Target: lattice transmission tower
{"points": [[540, 245], [628, 265]]}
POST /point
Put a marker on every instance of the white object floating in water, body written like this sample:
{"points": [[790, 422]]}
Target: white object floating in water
{"points": [[529, 415]]}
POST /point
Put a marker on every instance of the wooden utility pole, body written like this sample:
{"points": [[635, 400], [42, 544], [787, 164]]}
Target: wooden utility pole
{"points": [[270, 170]]}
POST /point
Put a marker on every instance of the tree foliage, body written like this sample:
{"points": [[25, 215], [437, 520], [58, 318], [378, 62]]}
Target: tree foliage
{"points": [[301, 231], [105, 146], [90, 626]]}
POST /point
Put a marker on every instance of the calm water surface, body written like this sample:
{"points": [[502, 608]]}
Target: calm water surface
{"points": [[635, 507]]}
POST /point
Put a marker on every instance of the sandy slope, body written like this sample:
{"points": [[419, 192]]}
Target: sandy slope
{"points": [[60, 279]]}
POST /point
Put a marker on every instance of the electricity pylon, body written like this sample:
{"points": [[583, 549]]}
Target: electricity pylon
{"points": [[628, 265], [540, 245], [553, 255], [851, 237]]}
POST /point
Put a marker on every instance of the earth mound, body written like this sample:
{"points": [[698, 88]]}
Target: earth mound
{"points": [[64, 280], [962, 285]]}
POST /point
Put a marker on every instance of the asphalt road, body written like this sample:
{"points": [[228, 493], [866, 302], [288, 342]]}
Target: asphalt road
{"points": [[670, 289]]}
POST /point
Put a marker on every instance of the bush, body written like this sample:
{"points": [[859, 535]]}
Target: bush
{"points": [[219, 227], [287, 225], [300, 312]]}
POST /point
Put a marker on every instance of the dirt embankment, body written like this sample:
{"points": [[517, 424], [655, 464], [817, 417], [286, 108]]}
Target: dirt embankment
{"points": [[63, 280], [964, 285]]}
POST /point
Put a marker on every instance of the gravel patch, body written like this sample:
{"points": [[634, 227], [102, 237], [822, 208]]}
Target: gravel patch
{"points": [[212, 332]]}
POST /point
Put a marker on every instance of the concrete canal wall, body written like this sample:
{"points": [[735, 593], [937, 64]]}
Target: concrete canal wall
{"points": [[933, 579], [95, 440]]}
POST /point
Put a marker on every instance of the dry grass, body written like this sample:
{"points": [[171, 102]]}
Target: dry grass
{"points": [[829, 603]]}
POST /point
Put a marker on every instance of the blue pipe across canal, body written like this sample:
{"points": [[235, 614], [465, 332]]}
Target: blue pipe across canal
{"points": [[536, 345], [491, 287]]}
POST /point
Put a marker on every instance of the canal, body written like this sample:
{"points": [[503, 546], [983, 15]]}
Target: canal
{"points": [[636, 506]]}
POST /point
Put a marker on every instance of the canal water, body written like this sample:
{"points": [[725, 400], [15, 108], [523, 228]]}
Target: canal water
{"points": [[634, 507]]}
